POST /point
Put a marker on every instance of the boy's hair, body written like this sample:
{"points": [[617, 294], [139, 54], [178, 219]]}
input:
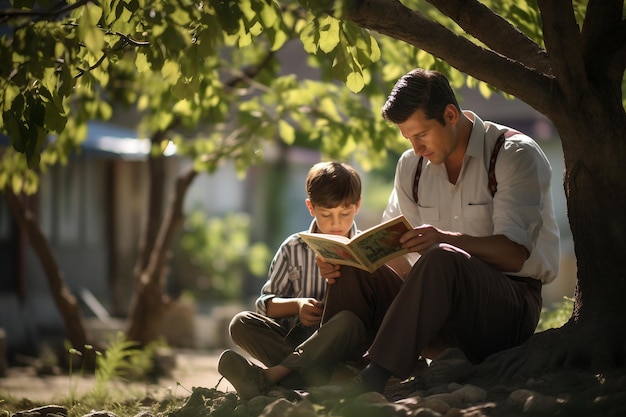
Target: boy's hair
{"points": [[333, 184], [419, 89]]}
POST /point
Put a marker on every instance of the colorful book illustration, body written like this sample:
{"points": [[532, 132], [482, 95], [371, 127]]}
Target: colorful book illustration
{"points": [[368, 250]]}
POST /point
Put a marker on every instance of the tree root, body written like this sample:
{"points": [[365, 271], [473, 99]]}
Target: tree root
{"points": [[589, 346]]}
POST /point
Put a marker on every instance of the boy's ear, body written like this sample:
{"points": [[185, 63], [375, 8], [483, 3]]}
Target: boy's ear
{"points": [[310, 206], [358, 205]]}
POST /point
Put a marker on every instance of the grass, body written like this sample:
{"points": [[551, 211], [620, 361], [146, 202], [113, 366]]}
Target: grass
{"points": [[121, 363]]}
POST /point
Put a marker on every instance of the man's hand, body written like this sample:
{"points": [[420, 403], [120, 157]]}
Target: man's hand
{"points": [[421, 238], [310, 311], [329, 272]]}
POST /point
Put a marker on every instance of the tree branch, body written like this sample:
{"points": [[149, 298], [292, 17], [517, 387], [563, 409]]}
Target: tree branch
{"points": [[249, 73], [127, 40], [495, 32], [562, 39], [603, 39], [391, 18], [52, 13]]}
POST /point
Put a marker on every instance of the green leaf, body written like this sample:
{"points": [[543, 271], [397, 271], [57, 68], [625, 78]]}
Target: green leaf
{"points": [[355, 82], [309, 36], [170, 71], [229, 14], [329, 34], [287, 132], [88, 29], [141, 62]]}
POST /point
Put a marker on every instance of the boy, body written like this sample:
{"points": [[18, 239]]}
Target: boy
{"points": [[285, 333]]}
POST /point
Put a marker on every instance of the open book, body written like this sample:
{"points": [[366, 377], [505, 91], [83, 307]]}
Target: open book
{"points": [[368, 250]]}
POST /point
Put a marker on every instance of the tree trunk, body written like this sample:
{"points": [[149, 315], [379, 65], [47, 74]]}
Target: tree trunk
{"points": [[150, 301], [63, 298], [154, 211]]}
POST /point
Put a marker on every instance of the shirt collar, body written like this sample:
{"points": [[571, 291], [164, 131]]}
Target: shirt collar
{"points": [[476, 142]]}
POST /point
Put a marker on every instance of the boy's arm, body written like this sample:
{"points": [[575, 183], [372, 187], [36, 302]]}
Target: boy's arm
{"points": [[309, 309], [278, 299], [279, 307], [277, 284]]}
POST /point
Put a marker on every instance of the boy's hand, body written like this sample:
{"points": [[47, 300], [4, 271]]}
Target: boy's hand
{"points": [[310, 311], [329, 272]]}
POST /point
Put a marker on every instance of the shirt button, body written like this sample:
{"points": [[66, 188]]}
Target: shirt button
{"points": [[456, 217]]}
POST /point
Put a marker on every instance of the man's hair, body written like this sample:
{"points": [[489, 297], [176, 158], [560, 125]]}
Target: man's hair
{"points": [[420, 89], [332, 184]]}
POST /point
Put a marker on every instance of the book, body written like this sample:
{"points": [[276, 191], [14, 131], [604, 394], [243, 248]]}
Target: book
{"points": [[368, 250]]}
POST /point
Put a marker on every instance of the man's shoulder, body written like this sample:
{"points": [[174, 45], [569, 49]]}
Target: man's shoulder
{"points": [[514, 139]]}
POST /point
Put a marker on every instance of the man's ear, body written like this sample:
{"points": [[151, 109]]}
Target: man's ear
{"points": [[451, 114], [310, 207]]}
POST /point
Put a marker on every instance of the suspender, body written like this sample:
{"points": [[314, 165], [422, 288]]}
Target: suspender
{"points": [[491, 174]]}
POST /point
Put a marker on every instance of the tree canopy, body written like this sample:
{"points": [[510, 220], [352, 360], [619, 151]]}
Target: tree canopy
{"points": [[180, 66]]}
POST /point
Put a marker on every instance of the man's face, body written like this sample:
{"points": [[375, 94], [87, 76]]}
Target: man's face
{"points": [[334, 221], [429, 137]]}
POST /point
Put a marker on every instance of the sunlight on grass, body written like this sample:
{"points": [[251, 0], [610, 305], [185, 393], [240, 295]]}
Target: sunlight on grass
{"points": [[121, 362], [556, 316]]}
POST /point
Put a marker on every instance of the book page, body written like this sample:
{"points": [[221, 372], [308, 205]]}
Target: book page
{"points": [[379, 245], [332, 248], [368, 250]]}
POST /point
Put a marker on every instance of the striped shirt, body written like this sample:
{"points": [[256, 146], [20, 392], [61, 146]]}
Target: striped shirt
{"points": [[293, 273]]}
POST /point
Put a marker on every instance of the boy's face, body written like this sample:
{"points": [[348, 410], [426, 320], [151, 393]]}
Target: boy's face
{"points": [[334, 221]]}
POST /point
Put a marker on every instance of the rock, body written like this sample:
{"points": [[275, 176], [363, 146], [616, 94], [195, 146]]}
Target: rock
{"points": [[539, 404], [43, 411], [450, 399], [279, 408], [303, 408], [471, 393], [412, 402], [532, 402], [427, 412], [436, 404], [520, 396], [257, 404], [101, 413], [372, 398]]}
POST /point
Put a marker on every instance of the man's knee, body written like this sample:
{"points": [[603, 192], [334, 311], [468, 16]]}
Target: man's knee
{"points": [[444, 253], [442, 257]]}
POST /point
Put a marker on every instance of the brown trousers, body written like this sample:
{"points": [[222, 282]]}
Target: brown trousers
{"points": [[448, 299]]}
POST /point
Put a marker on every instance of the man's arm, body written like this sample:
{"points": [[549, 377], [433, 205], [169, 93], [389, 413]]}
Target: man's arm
{"points": [[498, 250]]}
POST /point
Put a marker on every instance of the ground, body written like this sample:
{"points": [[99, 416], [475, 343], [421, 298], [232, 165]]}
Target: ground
{"points": [[193, 368], [195, 380]]}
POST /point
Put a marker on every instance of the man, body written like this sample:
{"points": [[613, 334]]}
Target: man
{"points": [[486, 237]]}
